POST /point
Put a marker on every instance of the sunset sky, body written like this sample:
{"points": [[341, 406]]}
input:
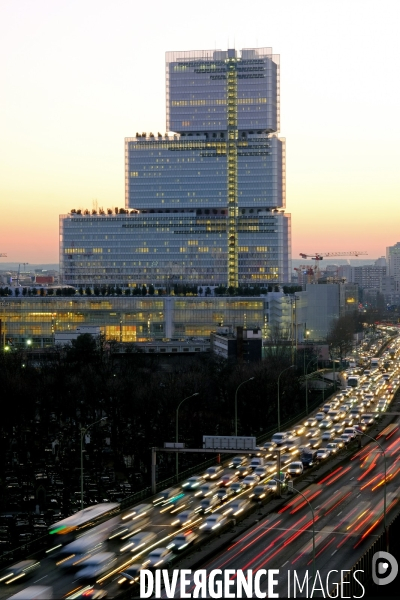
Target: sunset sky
{"points": [[78, 76]]}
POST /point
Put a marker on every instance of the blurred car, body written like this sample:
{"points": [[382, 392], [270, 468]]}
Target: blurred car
{"points": [[313, 432], [315, 442], [207, 504], [213, 522], [237, 487], [157, 557], [332, 447], [185, 517], [326, 424], [182, 541], [237, 506], [130, 575], [299, 429], [225, 493], [228, 478], [243, 471], [348, 422], [295, 468], [310, 422], [139, 540], [368, 419], [269, 447], [339, 442], [261, 472], [213, 472], [207, 489], [239, 461], [320, 416], [351, 431], [328, 435], [193, 482], [346, 438], [270, 466], [322, 454], [260, 492], [250, 480], [93, 593], [338, 428], [95, 565], [25, 568]]}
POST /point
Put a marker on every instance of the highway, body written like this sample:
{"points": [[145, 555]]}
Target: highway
{"points": [[348, 507]]}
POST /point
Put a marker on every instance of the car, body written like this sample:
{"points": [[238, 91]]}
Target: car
{"points": [[228, 478], [338, 428], [307, 457], [157, 557], [333, 447], [299, 429], [261, 472], [225, 493], [207, 504], [333, 415], [237, 487], [269, 448], [295, 468], [25, 568], [89, 592], [327, 435], [243, 472], [237, 506], [346, 438], [193, 482], [213, 522], [95, 565], [368, 419], [259, 492], [348, 422], [239, 461], [213, 472], [326, 424], [182, 541], [313, 432], [272, 483], [310, 422], [326, 408], [270, 466], [351, 431], [130, 575], [208, 489], [322, 454], [250, 480], [315, 442], [185, 518], [139, 540], [320, 416]]}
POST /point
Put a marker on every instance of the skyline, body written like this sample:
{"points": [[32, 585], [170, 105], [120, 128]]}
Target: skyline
{"points": [[66, 113]]}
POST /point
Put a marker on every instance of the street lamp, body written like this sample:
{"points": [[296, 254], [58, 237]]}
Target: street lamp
{"points": [[240, 384], [305, 373], [361, 432], [83, 432], [278, 482], [279, 411], [177, 436]]}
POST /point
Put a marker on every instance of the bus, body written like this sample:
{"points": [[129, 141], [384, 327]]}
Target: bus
{"points": [[68, 529]]}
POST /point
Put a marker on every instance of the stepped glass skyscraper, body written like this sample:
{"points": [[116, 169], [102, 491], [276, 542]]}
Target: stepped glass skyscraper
{"points": [[205, 202]]}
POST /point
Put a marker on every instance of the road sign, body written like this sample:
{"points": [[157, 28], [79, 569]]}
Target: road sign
{"points": [[230, 442], [174, 445]]}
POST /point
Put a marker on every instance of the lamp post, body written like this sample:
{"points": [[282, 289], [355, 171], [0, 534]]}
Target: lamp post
{"points": [[177, 435], [83, 432], [240, 384], [361, 432], [306, 371], [278, 482], [279, 411]]}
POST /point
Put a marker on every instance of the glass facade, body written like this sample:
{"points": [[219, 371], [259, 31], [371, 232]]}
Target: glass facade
{"points": [[203, 203], [125, 319]]}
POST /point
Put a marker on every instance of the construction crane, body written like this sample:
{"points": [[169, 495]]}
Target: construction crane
{"points": [[318, 256], [303, 270], [321, 255]]}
